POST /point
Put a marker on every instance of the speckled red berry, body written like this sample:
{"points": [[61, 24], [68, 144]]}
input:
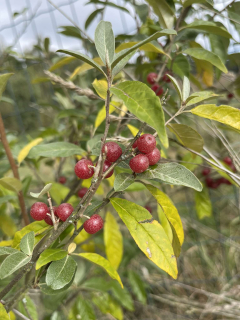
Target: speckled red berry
{"points": [[148, 208], [139, 164], [227, 160], [64, 211], [206, 171], [62, 180], [230, 96], [154, 156], [146, 143], [39, 211], [157, 89], [83, 169], [152, 77], [82, 192], [94, 224], [48, 218], [107, 164], [114, 151], [134, 145]]}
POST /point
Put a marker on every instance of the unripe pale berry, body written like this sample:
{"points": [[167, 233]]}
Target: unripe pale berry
{"points": [[139, 163], [107, 164], [152, 77], [157, 89], [94, 224], [154, 156], [48, 218], [82, 192], [114, 151], [39, 211], [62, 180], [146, 143], [64, 211], [83, 169], [206, 171]]}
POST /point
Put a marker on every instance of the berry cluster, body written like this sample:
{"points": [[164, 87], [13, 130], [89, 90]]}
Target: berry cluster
{"points": [[148, 156], [152, 79]]}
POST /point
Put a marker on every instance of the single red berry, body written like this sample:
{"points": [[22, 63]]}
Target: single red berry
{"points": [[94, 224], [224, 181], [48, 218], [230, 96], [227, 160], [114, 151], [107, 164], [146, 143], [152, 77], [209, 182], [82, 192], [206, 171], [154, 156], [157, 89], [135, 144], [62, 180], [84, 169], [166, 78], [232, 166], [139, 163], [39, 211], [64, 211], [148, 208]]}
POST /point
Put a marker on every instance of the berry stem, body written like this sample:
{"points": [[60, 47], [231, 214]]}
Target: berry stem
{"points": [[55, 223]]}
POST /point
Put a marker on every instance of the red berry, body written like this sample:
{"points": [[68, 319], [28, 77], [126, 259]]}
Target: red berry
{"points": [[152, 77], [139, 163], [146, 143], [148, 208], [213, 184], [157, 89], [94, 224], [232, 166], [165, 77], [224, 181], [227, 160], [107, 165], [82, 192], [39, 211], [83, 169], [48, 218], [64, 211], [206, 171], [62, 180], [154, 156], [134, 145], [209, 182], [114, 151], [230, 96]]}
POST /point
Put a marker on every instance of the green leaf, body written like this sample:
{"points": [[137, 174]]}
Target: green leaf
{"points": [[140, 44], [28, 308], [149, 236], [83, 310], [121, 64], [148, 47], [27, 243], [202, 54], [172, 173], [224, 114], [123, 181], [84, 58], [102, 262], [165, 223], [101, 116], [92, 16], [191, 162], [208, 26], [200, 96], [203, 203], [3, 313], [186, 88], [164, 12], [7, 198], [70, 113], [113, 241], [101, 87], [49, 291], [3, 82], [180, 66], [7, 250], [12, 184], [219, 46], [61, 62], [42, 192], [108, 305], [12, 263], [137, 286], [122, 295], [61, 272], [144, 104], [170, 211], [55, 149], [105, 42], [7, 224], [85, 67], [187, 136], [50, 255], [176, 86]]}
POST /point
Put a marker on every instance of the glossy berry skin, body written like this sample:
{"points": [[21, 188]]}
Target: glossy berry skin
{"points": [[148, 208], [114, 151], [39, 211], [82, 192], [83, 169], [146, 143], [230, 96], [62, 180], [152, 77], [107, 164], [157, 89], [64, 211], [48, 219], [206, 171], [154, 156], [139, 163], [94, 224], [227, 160]]}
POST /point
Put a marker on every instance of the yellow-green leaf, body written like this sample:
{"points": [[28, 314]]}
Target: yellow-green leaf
{"points": [[7, 225], [50, 255], [165, 223], [85, 67], [62, 62], [148, 234], [224, 114], [7, 243], [203, 203], [102, 262], [148, 47], [189, 137], [113, 241], [12, 184], [101, 116], [3, 313], [101, 87], [164, 12], [134, 130], [3, 81], [25, 151]]}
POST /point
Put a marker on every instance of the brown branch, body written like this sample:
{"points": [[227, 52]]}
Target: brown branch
{"points": [[14, 170]]}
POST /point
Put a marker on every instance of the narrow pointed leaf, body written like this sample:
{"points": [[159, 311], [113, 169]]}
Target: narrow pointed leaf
{"points": [[55, 149], [176, 86], [105, 42], [25, 151], [7, 251], [200, 96], [163, 11], [186, 88], [62, 62], [45, 190], [208, 26], [27, 243], [3, 81], [50, 255], [203, 203], [92, 16], [121, 64], [12, 263], [123, 181]]}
